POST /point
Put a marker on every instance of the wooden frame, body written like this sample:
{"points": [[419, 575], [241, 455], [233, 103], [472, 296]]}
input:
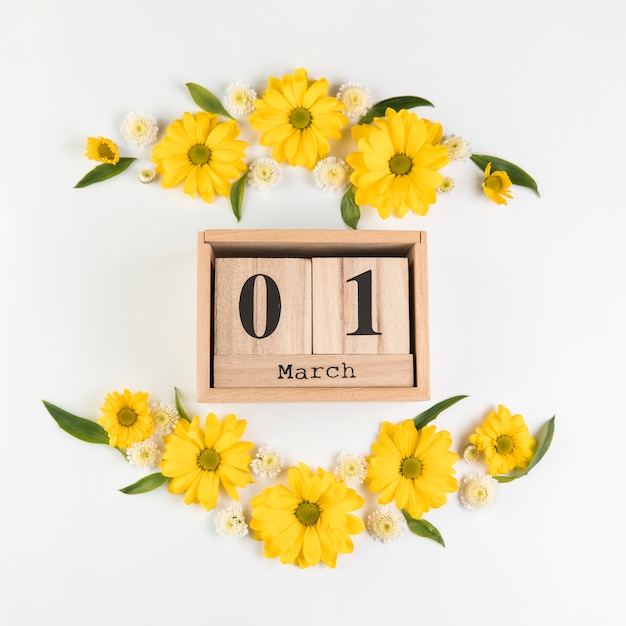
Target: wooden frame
{"points": [[313, 243]]}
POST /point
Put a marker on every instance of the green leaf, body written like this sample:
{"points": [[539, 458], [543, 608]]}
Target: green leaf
{"points": [[206, 100], [430, 414], [145, 484], [236, 195], [423, 528], [350, 211], [517, 175], [396, 103], [179, 406], [104, 172], [544, 439], [78, 427]]}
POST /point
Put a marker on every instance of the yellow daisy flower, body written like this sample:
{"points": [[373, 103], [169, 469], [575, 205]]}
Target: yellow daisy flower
{"points": [[202, 152], [308, 522], [496, 185], [126, 418], [413, 467], [297, 117], [101, 149], [198, 461], [395, 169], [505, 440]]}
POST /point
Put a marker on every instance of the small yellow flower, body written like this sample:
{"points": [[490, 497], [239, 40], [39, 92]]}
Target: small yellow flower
{"points": [[101, 149], [126, 418], [505, 440], [496, 185]]}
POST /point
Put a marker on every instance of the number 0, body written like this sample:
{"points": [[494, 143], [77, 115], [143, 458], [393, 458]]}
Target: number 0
{"points": [[272, 306]]}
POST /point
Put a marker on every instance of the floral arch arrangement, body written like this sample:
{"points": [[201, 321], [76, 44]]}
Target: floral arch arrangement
{"points": [[309, 519], [397, 163]]}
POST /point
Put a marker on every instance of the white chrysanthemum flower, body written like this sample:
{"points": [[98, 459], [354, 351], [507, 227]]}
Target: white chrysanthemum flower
{"points": [[458, 148], [264, 173], [164, 417], [447, 185], [239, 99], [145, 454], [268, 463], [478, 492], [140, 129], [351, 468], [356, 98], [146, 175], [470, 453], [385, 525], [332, 174], [231, 523]]}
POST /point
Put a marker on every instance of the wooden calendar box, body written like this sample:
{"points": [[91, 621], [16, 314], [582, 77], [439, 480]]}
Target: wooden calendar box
{"points": [[312, 315]]}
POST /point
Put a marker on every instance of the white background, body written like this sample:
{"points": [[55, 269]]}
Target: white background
{"points": [[526, 301]]}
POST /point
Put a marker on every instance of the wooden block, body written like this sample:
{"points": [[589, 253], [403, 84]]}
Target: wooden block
{"points": [[361, 305], [262, 306], [314, 371]]}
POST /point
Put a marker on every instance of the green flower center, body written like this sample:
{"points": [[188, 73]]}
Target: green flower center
{"points": [[127, 417], [480, 494], [308, 513], [199, 154], [104, 150], [504, 444], [160, 418], [411, 468], [300, 118], [209, 460], [400, 164]]}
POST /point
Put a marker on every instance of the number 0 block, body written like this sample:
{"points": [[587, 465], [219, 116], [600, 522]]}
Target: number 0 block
{"points": [[361, 305], [262, 306]]}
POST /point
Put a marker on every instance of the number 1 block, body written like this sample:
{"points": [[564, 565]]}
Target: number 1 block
{"points": [[361, 305], [262, 306]]}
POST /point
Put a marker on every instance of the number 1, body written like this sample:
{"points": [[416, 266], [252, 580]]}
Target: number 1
{"points": [[364, 303]]}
